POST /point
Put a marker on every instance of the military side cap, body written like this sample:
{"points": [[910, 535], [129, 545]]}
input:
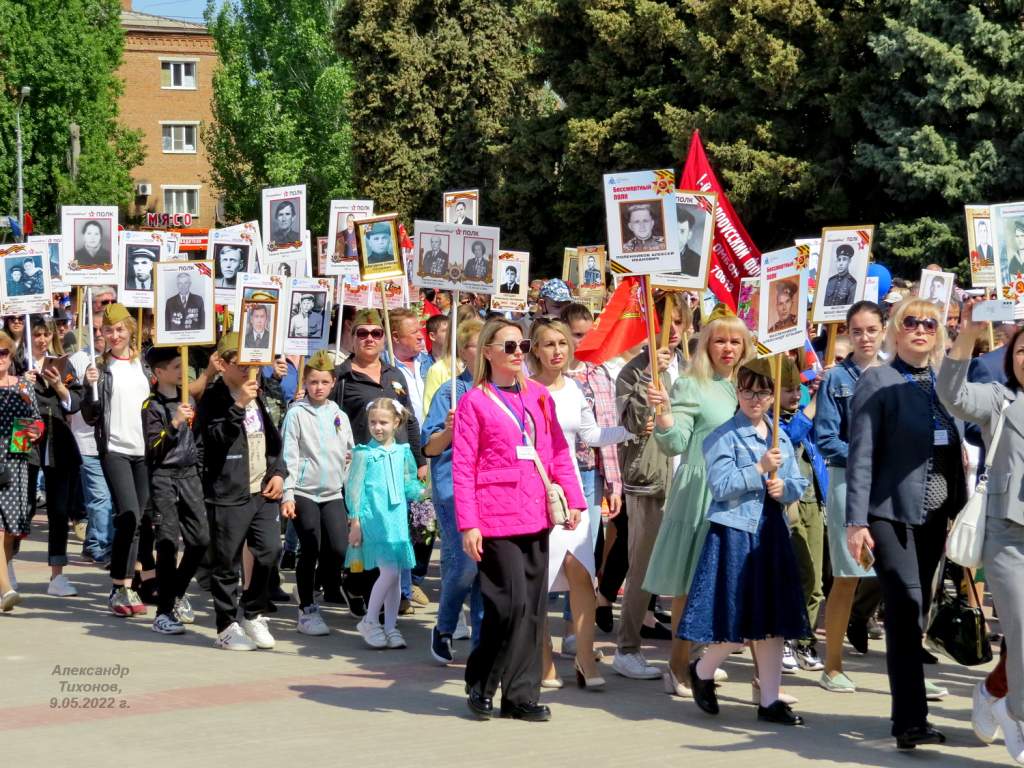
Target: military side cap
{"points": [[367, 317], [379, 228], [721, 312], [762, 366], [159, 355], [115, 313], [790, 373], [261, 296], [321, 360], [228, 343]]}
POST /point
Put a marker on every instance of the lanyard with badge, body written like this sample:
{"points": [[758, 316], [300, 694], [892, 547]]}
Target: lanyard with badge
{"points": [[940, 435], [526, 451]]}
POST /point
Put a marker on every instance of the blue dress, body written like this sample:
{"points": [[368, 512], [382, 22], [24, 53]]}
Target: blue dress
{"points": [[381, 481]]}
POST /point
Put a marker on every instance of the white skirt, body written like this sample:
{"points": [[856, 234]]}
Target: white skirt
{"points": [[579, 542]]}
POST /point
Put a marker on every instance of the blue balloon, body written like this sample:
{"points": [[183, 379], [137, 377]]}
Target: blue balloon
{"points": [[884, 278]]}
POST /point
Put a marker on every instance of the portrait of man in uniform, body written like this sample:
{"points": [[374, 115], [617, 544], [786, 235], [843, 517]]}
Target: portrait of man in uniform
{"points": [[689, 259], [983, 244], [229, 261], [434, 261], [459, 214], [592, 275], [285, 229], [1013, 263], [184, 311], [644, 223], [511, 284], [841, 288], [786, 295], [257, 335], [306, 322], [378, 243], [138, 268]]}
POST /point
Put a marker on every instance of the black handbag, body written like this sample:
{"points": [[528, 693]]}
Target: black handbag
{"points": [[958, 629]]}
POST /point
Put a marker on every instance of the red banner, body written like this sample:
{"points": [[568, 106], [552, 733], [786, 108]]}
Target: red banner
{"points": [[733, 253]]}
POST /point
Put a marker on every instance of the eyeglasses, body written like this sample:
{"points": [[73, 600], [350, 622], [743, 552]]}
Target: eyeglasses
{"points": [[928, 324], [4, 353], [756, 394], [375, 333], [509, 347], [105, 302]]}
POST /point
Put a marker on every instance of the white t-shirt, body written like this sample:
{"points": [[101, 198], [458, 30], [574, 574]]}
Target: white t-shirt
{"points": [[576, 417], [130, 391], [85, 435]]}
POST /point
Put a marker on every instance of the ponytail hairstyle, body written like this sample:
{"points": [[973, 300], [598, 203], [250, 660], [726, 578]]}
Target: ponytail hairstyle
{"points": [[391, 406]]}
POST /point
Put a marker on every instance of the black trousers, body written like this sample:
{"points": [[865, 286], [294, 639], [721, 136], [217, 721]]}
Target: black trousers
{"points": [[178, 511], [60, 481], [128, 480], [514, 584], [254, 523], [613, 572], [866, 600], [906, 557], [315, 522]]}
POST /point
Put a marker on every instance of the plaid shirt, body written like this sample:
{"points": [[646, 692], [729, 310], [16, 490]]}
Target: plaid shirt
{"points": [[595, 378]]}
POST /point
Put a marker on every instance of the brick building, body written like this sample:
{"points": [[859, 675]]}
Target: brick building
{"points": [[168, 85]]}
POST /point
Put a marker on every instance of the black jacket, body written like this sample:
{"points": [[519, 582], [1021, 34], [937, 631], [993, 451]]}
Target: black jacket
{"points": [[96, 410], [168, 449], [224, 447], [57, 435], [352, 392]]}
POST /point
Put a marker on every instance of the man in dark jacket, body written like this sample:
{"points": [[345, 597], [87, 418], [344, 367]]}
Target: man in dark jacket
{"points": [[243, 478]]}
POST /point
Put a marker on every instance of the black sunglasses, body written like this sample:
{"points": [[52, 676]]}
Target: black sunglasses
{"points": [[105, 302], [929, 324], [5, 353], [375, 333], [509, 347]]}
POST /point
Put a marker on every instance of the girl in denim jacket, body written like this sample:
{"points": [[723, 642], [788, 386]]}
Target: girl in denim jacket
{"points": [[747, 584]]}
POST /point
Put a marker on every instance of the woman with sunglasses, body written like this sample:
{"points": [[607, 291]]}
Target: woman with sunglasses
{"points": [[571, 551], [17, 491], [14, 327], [505, 426], [904, 482]]}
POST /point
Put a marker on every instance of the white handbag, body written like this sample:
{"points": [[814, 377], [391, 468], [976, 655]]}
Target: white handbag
{"points": [[967, 536]]}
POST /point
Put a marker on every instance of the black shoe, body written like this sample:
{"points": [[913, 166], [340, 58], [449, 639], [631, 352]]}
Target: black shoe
{"points": [[857, 634], [147, 591], [658, 632], [779, 713], [480, 705], [664, 618], [604, 619], [441, 647], [919, 734], [278, 595], [928, 657], [356, 603], [334, 596], [288, 561], [703, 691], [533, 713]]}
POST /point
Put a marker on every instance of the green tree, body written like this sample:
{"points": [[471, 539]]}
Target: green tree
{"points": [[67, 52], [280, 105]]}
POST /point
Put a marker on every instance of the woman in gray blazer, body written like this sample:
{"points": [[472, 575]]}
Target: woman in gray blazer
{"points": [[1003, 554], [904, 482]]}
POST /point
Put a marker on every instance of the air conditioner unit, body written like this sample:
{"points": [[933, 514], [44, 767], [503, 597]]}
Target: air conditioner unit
{"points": [[143, 190]]}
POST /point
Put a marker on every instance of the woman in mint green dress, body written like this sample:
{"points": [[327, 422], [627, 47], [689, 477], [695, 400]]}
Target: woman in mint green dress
{"points": [[702, 400]]}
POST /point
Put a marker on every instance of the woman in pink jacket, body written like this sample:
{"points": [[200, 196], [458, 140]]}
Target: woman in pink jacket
{"points": [[501, 508]]}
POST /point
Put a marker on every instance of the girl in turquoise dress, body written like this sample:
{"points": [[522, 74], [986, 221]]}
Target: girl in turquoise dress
{"points": [[382, 480], [702, 400]]}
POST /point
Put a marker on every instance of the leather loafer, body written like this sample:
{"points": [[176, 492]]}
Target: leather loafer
{"points": [[780, 713], [658, 632], [480, 705], [604, 619], [919, 734], [531, 712], [857, 634], [703, 691]]}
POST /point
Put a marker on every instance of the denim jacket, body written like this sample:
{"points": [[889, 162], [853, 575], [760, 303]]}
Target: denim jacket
{"points": [[737, 488], [832, 419]]}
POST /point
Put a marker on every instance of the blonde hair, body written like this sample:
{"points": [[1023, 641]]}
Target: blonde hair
{"points": [[389, 405], [917, 307], [6, 342], [540, 325], [700, 366], [468, 331], [132, 328], [482, 369]]}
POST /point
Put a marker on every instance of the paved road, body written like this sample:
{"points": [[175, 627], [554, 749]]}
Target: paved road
{"points": [[329, 700]]}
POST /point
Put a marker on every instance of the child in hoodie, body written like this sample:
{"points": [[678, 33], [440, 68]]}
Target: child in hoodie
{"points": [[317, 450]]}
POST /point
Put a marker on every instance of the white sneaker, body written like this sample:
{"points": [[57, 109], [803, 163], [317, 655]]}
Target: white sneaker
{"points": [[721, 675], [11, 577], [61, 587], [234, 639], [373, 633], [985, 726], [311, 622], [634, 666], [462, 631], [394, 639], [569, 645], [789, 664], [258, 631], [1013, 730]]}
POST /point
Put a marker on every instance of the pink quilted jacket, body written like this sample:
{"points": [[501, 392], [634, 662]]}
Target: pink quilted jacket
{"points": [[495, 491]]}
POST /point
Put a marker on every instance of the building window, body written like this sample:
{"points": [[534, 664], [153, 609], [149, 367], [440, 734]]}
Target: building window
{"points": [[181, 200], [178, 74], [180, 138]]}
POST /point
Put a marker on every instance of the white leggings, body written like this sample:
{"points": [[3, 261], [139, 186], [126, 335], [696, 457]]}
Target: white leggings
{"points": [[386, 594], [769, 664]]}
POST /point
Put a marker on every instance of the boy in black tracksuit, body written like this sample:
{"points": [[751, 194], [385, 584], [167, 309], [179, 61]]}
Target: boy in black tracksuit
{"points": [[243, 478], [175, 491]]}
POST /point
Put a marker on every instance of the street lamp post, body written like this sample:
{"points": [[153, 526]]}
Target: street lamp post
{"points": [[25, 91]]}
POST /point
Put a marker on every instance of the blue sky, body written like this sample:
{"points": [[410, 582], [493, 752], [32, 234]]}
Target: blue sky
{"points": [[190, 10]]}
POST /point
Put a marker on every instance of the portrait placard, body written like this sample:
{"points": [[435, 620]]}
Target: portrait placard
{"points": [[1007, 225], [357, 294], [814, 243], [461, 207], [56, 259], [343, 250], [250, 233], [396, 293], [513, 282], [479, 248], [643, 237], [321, 256], [380, 255], [309, 314], [249, 287], [695, 222], [284, 219], [184, 311], [937, 288], [842, 267], [570, 266], [26, 285], [90, 235], [256, 337], [748, 306], [232, 255], [871, 289], [782, 305], [981, 253], [436, 262], [140, 252]]}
